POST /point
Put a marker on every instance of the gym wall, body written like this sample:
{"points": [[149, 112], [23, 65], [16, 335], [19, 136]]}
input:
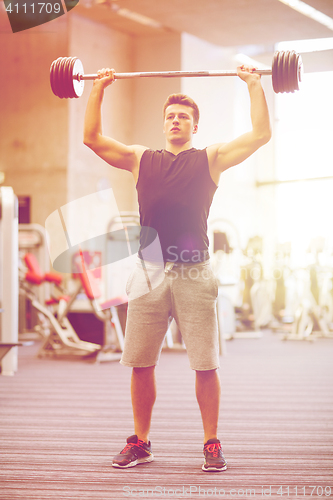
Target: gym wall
{"points": [[33, 126]]}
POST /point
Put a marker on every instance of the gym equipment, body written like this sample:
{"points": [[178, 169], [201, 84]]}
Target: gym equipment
{"points": [[8, 280], [67, 77], [62, 339], [310, 320]]}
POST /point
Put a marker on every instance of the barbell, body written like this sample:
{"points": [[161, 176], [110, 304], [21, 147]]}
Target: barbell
{"points": [[67, 77]]}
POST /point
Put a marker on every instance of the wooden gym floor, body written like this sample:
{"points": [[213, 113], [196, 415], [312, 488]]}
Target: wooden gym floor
{"points": [[62, 421]]}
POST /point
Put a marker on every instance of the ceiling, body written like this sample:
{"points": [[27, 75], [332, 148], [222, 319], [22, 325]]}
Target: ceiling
{"points": [[221, 22]]}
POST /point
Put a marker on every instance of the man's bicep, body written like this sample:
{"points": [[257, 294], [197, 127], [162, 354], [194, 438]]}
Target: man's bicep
{"points": [[117, 154], [236, 151]]}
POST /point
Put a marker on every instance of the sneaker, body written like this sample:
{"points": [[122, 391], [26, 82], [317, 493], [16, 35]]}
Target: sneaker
{"points": [[135, 452], [214, 459]]}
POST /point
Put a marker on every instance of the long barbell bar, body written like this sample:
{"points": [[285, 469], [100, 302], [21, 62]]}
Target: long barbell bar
{"points": [[172, 74], [67, 76]]}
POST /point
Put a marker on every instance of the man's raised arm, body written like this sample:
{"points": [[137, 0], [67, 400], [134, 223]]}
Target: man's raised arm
{"points": [[223, 156], [113, 152]]}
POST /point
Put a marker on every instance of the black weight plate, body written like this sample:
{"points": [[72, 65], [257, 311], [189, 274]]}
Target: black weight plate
{"points": [[275, 72], [289, 73], [62, 76], [293, 71], [296, 73], [58, 76], [280, 72], [291, 83], [52, 78], [283, 85], [61, 82], [285, 73], [71, 92], [67, 76], [55, 77]]}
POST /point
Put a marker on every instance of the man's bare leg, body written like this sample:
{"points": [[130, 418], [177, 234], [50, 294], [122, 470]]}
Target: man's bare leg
{"points": [[208, 391], [143, 392], [138, 449]]}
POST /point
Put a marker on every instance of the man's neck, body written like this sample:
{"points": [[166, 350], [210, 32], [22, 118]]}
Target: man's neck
{"points": [[178, 148]]}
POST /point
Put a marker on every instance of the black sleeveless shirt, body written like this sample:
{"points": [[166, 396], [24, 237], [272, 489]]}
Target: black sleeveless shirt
{"points": [[175, 193]]}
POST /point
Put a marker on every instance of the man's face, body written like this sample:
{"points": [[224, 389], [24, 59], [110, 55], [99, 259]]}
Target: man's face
{"points": [[179, 123]]}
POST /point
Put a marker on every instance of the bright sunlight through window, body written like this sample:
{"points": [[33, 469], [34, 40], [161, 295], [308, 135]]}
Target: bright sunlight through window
{"points": [[304, 150]]}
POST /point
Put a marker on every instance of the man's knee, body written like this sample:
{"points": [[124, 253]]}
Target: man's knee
{"points": [[144, 371], [206, 374]]}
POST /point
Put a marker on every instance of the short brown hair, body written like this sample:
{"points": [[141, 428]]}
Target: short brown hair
{"points": [[185, 101]]}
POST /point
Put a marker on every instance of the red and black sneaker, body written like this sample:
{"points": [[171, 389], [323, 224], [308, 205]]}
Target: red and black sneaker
{"points": [[135, 452], [214, 459]]}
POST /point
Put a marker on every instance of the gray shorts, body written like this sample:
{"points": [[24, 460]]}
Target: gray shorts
{"points": [[186, 292]]}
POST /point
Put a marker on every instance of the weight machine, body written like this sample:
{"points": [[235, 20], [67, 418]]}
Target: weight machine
{"points": [[61, 340]]}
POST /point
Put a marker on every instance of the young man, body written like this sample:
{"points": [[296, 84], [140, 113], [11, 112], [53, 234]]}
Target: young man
{"points": [[175, 190]]}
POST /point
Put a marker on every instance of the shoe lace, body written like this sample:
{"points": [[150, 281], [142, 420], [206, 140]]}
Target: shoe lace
{"points": [[213, 448], [129, 446]]}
